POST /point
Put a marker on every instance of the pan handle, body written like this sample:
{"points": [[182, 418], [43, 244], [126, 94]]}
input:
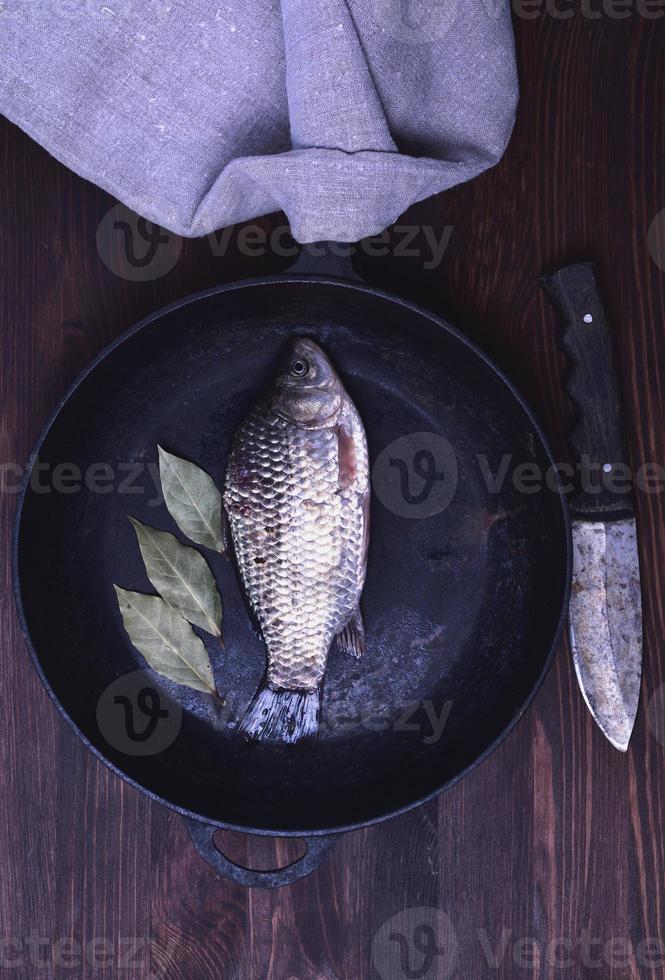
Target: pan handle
{"points": [[333, 259], [203, 836]]}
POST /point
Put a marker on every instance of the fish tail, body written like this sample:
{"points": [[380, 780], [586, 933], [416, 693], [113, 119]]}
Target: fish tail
{"points": [[281, 716]]}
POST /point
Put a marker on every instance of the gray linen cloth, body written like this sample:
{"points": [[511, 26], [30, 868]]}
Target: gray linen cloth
{"points": [[202, 113]]}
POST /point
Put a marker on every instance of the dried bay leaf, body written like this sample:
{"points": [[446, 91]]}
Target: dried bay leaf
{"points": [[193, 500], [181, 576], [166, 640]]}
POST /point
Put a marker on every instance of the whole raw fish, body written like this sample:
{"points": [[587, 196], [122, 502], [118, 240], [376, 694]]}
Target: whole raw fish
{"points": [[296, 498]]}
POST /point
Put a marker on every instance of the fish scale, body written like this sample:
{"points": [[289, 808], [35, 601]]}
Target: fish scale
{"points": [[285, 513]]}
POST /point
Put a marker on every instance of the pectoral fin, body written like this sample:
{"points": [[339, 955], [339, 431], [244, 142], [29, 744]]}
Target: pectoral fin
{"points": [[347, 455], [352, 638]]}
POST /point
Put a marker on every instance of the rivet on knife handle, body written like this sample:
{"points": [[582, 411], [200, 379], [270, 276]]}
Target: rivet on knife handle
{"points": [[597, 438]]}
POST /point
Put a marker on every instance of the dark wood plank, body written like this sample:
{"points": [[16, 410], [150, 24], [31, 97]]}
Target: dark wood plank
{"points": [[557, 836]]}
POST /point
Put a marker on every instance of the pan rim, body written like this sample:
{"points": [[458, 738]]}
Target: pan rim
{"points": [[279, 280]]}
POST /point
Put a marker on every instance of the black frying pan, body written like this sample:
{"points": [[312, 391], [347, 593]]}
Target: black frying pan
{"points": [[463, 606]]}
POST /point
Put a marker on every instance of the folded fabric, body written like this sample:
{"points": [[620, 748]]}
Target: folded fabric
{"points": [[199, 114]]}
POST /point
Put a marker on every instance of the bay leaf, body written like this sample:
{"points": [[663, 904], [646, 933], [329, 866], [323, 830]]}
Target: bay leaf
{"points": [[182, 577], [193, 500], [166, 640]]}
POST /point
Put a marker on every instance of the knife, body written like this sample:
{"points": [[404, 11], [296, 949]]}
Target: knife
{"points": [[605, 614]]}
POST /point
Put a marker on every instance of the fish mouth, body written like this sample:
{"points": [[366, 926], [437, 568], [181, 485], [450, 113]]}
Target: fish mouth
{"points": [[305, 345]]}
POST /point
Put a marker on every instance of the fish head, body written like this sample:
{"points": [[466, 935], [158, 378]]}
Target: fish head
{"points": [[307, 390]]}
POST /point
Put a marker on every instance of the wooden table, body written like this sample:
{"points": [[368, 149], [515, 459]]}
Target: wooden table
{"points": [[557, 836]]}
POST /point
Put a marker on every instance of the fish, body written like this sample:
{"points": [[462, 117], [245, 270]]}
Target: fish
{"points": [[296, 507]]}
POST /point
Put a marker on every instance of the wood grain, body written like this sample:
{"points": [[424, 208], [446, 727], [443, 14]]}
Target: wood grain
{"points": [[557, 837]]}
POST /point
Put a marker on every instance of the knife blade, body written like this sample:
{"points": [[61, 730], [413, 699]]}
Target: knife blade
{"points": [[605, 614]]}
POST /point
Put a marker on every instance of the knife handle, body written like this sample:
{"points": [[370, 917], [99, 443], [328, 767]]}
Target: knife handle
{"points": [[597, 437]]}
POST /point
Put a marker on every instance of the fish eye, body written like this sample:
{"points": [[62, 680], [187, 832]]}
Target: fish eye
{"points": [[299, 367]]}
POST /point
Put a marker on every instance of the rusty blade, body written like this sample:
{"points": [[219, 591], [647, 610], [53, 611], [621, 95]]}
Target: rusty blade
{"points": [[606, 624]]}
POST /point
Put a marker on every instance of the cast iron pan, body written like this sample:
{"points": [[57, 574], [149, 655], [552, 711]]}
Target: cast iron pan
{"points": [[463, 606]]}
